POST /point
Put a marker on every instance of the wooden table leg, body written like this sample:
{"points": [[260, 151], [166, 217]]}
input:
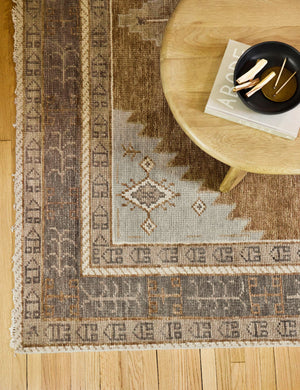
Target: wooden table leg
{"points": [[232, 178]]}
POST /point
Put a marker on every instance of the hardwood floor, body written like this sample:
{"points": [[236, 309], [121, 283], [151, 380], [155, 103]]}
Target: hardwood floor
{"points": [[250, 368]]}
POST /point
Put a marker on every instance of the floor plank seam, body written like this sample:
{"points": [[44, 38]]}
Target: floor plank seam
{"points": [[274, 358], [26, 368], [201, 373], [157, 370]]}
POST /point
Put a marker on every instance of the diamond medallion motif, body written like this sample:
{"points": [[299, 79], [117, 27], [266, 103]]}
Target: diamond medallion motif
{"points": [[148, 226], [199, 206], [148, 194]]}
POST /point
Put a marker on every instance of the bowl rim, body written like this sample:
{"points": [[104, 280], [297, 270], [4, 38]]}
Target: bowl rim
{"points": [[253, 47]]}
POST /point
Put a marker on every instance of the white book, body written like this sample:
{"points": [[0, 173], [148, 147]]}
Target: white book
{"points": [[226, 104]]}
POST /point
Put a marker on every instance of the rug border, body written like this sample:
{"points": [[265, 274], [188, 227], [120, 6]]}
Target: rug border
{"points": [[16, 316]]}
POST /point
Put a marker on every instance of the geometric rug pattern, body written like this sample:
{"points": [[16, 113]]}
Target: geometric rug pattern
{"points": [[122, 240]]}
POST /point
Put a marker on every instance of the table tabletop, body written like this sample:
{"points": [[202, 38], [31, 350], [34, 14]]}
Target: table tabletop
{"points": [[193, 46]]}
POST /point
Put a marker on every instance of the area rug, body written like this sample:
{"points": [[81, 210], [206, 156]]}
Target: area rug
{"points": [[122, 239]]}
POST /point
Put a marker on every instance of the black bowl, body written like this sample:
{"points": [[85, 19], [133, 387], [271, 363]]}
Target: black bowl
{"points": [[274, 52]]}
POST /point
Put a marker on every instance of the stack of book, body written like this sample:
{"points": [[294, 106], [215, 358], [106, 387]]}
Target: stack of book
{"points": [[225, 103]]}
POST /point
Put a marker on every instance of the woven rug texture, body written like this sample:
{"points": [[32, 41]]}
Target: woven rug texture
{"points": [[122, 239]]}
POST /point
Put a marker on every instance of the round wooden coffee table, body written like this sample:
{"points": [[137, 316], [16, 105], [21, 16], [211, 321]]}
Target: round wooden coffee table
{"points": [[194, 43]]}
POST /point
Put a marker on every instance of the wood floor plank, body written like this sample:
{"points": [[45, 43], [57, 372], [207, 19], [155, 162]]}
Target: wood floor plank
{"points": [[85, 371], [223, 368], [238, 376], [294, 355], [283, 369], [34, 371], [237, 355], [129, 370], [253, 369], [139, 370], [208, 369], [267, 369], [110, 370], [12, 367], [179, 369], [56, 371], [7, 73]]}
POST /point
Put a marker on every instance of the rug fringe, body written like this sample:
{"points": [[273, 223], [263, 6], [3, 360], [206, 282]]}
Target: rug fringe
{"points": [[145, 347], [16, 317]]}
